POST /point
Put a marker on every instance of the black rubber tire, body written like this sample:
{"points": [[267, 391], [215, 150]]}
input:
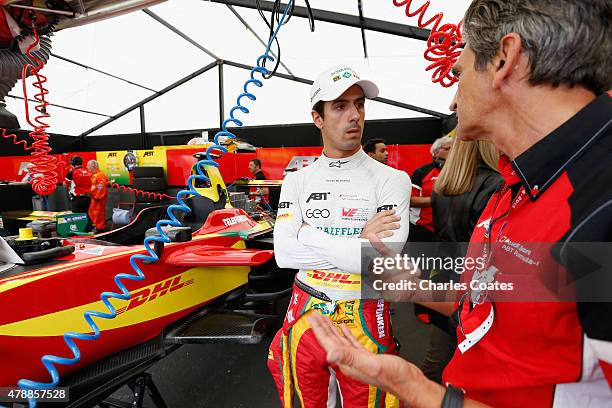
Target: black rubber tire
{"points": [[148, 171], [149, 183]]}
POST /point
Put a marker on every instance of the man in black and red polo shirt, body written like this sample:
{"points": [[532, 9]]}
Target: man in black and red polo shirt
{"points": [[532, 80], [78, 184], [425, 178]]}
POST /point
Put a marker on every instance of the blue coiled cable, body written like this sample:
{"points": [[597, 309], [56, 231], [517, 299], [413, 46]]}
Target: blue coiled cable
{"points": [[49, 361]]}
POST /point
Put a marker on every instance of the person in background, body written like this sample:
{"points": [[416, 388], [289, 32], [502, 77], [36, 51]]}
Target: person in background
{"points": [[421, 215], [28, 179], [258, 174], [99, 193], [425, 178], [463, 189], [255, 170], [28, 173], [78, 184], [377, 149]]}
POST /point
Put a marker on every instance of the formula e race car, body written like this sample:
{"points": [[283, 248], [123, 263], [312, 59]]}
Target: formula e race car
{"points": [[217, 281]]}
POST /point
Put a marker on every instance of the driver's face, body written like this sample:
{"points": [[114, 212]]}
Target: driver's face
{"points": [[342, 124]]}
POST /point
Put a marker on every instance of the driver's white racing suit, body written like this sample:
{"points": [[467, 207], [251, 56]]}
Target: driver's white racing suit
{"points": [[322, 211]]}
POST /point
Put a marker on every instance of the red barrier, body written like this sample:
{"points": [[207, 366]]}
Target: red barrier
{"points": [[409, 157], [274, 160], [232, 165], [14, 168], [180, 162]]}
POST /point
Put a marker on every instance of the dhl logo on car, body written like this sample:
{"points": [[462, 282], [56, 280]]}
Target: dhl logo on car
{"points": [[161, 289], [192, 287]]}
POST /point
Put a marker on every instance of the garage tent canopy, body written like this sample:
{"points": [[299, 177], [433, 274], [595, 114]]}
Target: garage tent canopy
{"points": [[100, 70]]}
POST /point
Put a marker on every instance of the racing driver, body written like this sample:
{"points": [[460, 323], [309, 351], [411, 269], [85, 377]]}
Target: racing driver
{"points": [[323, 212]]}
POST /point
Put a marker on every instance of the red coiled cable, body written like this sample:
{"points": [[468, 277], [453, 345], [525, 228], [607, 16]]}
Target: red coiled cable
{"points": [[442, 46], [14, 137], [146, 194], [44, 166]]}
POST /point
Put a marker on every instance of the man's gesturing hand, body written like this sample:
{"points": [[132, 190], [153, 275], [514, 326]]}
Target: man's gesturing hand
{"points": [[391, 373]]}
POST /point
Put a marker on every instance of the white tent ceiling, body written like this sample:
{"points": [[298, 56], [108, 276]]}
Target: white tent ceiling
{"points": [[137, 48]]}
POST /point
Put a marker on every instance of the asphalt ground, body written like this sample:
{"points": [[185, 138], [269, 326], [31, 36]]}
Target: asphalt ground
{"points": [[236, 376]]}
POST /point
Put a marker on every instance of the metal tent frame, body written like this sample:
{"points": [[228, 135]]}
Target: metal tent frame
{"points": [[363, 23]]}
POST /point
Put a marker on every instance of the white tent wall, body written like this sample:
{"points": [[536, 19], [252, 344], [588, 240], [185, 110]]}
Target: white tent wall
{"points": [[193, 105], [307, 53], [129, 123], [211, 25], [395, 63], [279, 101], [137, 48], [70, 85], [378, 110], [134, 47], [62, 121], [453, 10], [398, 66]]}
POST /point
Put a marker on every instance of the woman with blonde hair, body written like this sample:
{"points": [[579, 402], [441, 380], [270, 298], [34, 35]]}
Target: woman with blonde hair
{"points": [[465, 185]]}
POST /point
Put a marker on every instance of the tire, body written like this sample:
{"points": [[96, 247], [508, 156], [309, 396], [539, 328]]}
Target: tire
{"points": [[149, 183], [148, 171]]}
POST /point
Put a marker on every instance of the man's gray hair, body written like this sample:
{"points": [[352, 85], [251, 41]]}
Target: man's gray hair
{"points": [[94, 164], [438, 143], [568, 41]]}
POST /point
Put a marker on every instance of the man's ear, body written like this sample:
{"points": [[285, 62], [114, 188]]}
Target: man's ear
{"points": [[508, 60], [317, 119]]}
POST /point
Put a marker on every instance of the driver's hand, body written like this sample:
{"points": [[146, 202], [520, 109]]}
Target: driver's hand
{"points": [[382, 224]]}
